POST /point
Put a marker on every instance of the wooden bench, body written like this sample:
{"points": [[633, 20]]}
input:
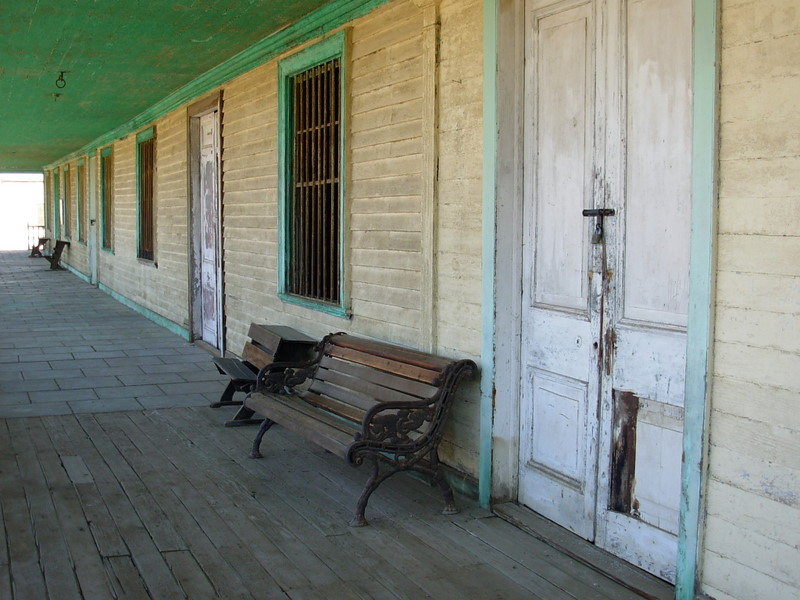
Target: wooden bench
{"points": [[36, 249], [267, 344], [56, 256], [364, 400]]}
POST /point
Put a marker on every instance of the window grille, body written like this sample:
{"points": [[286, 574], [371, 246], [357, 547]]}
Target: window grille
{"points": [[67, 222], [107, 167], [146, 188], [314, 188], [80, 194]]}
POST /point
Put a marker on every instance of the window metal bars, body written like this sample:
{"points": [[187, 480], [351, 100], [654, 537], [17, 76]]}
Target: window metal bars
{"points": [[146, 216], [67, 223], [80, 193], [108, 188], [314, 223]]}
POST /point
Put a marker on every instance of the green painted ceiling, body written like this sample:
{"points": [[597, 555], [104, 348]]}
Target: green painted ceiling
{"points": [[119, 57]]}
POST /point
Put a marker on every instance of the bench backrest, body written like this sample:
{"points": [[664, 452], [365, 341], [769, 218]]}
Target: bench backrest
{"points": [[265, 342], [355, 374]]}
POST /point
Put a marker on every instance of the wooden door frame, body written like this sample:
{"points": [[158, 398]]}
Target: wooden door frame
{"points": [[504, 44], [210, 103]]}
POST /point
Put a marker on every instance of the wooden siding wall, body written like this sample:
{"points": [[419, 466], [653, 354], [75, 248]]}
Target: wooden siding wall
{"points": [[753, 494], [161, 285], [383, 194]]}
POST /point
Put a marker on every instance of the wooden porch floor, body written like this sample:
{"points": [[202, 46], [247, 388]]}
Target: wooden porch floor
{"points": [[164, 504]]}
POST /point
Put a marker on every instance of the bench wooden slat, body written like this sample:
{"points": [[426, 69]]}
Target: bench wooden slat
{"points": [[331, 434], [361, 402], [387, 380], [428, 362], [235, 369], [270, 337], [340, 385], [257, 356], [350, 412], [385, 364]]}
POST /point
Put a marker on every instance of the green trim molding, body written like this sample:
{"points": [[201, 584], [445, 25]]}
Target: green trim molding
{"points": [[314, 25], [489, 242], [701, 294], [146, 312], [75, 272]]}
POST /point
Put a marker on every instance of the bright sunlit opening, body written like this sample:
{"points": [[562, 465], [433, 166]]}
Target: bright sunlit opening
{"points": [[21, 209]]}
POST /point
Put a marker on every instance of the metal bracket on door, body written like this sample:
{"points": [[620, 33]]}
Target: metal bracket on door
{"points": [[598, 214]]}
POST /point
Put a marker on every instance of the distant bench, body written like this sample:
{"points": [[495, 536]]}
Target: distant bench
{"points": [[36, 249], [365, 400], [55, 258], [267, 344]]}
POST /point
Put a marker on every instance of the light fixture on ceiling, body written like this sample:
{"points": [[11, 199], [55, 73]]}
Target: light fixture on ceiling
{"points": [[61, 82]]}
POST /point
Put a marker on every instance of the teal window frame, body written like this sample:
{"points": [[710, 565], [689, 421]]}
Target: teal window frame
{"points": [[144, 136], [56, 203], [66, 214], [333, 47], [81, 229], [106, 220]]}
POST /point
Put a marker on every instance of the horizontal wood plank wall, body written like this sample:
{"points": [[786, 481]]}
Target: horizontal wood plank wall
{"points": [[459, 221], [160, 286], [249, 185], [753, 499], [383, 192], [385, 189]]}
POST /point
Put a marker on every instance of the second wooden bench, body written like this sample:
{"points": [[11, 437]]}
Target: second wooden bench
{"points": [[267, 344]]}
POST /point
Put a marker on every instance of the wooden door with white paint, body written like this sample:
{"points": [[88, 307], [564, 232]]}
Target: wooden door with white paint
{"points": [[607, 125], [210, 292]]}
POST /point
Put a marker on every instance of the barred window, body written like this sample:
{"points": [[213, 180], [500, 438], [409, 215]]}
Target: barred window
{"points": [[311, 158], [80, 201], [146, 189], [56, 204], [67, 203], [107, 197]]}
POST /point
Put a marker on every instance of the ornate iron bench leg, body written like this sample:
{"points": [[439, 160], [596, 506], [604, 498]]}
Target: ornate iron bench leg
{"points": [[373, 482], [227, 396], [255, 451], [450, 507]]}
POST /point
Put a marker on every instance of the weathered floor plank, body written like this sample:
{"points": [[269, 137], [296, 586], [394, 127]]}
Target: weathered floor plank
{"points": [[165, 504]]}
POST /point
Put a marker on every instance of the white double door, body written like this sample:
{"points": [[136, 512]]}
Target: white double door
{"points": [[607, 126]]}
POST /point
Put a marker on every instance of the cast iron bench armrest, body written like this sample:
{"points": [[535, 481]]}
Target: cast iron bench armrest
{"points": [[281, 377]]}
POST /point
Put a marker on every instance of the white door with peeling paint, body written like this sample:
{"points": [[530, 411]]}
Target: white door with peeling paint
{"points": [[607, 126], [210, 296]]}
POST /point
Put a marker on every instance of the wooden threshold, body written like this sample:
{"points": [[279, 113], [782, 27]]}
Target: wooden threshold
{"points": [[643, 583]]}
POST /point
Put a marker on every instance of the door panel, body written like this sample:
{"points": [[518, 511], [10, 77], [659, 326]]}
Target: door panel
{"points": [[658, 162], [563, 148]]}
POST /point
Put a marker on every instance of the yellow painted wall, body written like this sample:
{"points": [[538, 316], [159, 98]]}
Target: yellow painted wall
{"points": [[752, 529], [160, 285]]}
